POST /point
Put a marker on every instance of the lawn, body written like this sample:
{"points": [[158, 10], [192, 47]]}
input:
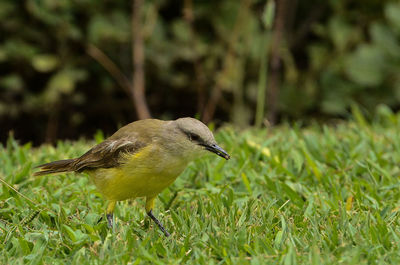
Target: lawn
{"points": [[317, 194]]}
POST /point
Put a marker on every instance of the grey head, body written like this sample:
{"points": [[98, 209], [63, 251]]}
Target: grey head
{"points": [[194, 137]]}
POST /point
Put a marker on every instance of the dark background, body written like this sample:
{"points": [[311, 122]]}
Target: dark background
{"points": [[69, 68]]}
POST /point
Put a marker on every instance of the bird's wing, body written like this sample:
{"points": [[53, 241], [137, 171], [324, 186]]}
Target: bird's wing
{"points": [[108, 153]]}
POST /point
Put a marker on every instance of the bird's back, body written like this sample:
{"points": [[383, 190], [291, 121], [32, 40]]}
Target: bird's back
{"points": [[129, 139]]}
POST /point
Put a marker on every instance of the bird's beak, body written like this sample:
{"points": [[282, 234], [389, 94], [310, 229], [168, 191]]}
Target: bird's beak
{"points": [[217, 150]]}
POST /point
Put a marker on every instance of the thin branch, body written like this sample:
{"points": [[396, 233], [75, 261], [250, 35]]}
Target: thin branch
{"points": [[111, 67], [114, 71], [138, 87]]}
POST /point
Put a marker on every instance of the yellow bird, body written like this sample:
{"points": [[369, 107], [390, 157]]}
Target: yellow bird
{"points": [[140, 160]]}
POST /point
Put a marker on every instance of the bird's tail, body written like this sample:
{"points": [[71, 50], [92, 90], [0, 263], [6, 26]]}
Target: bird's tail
{"points": [[56, 167]]}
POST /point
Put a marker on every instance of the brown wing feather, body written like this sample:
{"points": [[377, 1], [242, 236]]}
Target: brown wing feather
{"points": [[104, 155], [107, 154]]}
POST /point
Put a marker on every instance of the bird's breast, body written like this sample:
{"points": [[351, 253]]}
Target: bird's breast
{"points": [[145, 173]]}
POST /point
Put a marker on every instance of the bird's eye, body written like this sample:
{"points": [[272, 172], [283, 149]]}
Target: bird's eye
{"points": [[193, 137]]}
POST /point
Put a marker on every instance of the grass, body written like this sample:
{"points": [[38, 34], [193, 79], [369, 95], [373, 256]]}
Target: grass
{"points": [[289, 195]]}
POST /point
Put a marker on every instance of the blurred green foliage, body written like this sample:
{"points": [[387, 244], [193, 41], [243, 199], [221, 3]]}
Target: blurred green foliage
{"points": [[355, 59], [335, 53]]}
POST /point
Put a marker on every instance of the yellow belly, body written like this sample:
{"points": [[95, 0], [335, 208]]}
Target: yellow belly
{"points": [[143, 174]]}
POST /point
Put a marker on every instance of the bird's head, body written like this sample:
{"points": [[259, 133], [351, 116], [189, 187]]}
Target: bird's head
{"points": [[193, 137]]}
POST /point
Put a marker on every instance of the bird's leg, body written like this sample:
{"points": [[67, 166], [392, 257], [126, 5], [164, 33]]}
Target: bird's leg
{"points": [[150, 213], [149, 210], [109, 213]]}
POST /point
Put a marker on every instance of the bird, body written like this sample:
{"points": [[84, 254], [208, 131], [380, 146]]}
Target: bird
{"points": [[140, 160]]}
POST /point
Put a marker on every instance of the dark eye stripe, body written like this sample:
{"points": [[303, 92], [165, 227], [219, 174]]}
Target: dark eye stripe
{"points": [[194, 137]]}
